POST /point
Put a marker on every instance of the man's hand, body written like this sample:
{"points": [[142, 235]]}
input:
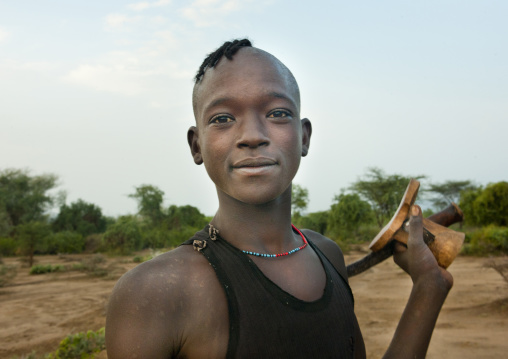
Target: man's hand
{"points": [[416, 259], [431, 285]]}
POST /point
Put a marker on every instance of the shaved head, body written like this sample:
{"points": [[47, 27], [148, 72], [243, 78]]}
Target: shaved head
{"points": [[244, 58]]}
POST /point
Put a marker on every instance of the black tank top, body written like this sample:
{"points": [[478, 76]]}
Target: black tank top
{"points": [[267, 322]]}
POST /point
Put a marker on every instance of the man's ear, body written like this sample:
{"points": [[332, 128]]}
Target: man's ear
{"points": [[192, 139], [306, 133]]}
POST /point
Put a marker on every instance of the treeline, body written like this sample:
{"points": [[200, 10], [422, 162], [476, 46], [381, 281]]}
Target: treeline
{"points": [[356, 214], [359, 212], [27, 229]]}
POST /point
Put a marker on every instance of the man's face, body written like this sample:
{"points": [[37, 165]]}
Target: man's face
{"points": [[249, 133]]}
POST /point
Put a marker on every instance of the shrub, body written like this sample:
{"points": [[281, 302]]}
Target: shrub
{"points": [[94, 243], [486, 206], [94, 266], [65, 242], [81, 345], [178, 236], [347, 214], [124, 236], [487, 240], [156, 238], [491, 206], [8, 246], [47, 268]]}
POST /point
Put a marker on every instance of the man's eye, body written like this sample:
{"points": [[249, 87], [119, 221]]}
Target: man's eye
{"points": [[221, 119], [279, 113]]}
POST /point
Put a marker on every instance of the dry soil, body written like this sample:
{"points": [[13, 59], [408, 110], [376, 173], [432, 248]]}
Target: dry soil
{"points": [[37, 311]]}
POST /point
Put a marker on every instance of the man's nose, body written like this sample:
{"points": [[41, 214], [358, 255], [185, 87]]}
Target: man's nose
{"points": [[253, 132]]}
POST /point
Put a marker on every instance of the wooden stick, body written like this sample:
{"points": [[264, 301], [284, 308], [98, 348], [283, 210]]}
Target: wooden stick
{"points": [[450, 215]]}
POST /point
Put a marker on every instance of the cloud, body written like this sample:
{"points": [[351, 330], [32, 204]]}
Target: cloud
{"points": [[36, 66], [129, 73], [4, 35], [124, 77], [140, 6], [210, 12], [118, 21]]}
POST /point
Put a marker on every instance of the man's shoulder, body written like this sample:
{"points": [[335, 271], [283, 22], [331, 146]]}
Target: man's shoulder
{"points": [[329, 248], [176, 271], [325, 244], [157, 308]]}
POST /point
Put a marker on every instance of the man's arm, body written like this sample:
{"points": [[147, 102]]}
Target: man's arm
{"points": [[139, 322], [171, 306], [431, 285]]}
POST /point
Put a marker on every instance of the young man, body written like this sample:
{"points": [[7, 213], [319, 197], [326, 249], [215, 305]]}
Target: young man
{"points": [[250, 285]]}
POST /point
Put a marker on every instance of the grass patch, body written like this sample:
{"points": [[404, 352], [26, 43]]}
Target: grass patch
{"points": [[84, 345], [47, 268], [95, 266]]}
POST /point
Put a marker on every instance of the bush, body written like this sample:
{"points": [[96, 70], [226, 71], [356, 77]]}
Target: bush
{"points": [[491, 206], [156, 238], [348, 214], [487, 240], [124, 236], [65, 242], [8, 246], [94, 266], [81, 345], [177, 237], [47, 268], [486, 206], [94, 243]]}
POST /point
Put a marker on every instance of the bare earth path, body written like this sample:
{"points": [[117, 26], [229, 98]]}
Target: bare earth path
{"points": [[37, 311]]}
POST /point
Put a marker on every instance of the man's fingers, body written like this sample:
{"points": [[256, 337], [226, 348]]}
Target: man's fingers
{"points": [[416, 227]]}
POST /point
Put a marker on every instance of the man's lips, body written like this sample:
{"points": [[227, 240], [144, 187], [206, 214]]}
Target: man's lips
{"points": [[255, 162]]}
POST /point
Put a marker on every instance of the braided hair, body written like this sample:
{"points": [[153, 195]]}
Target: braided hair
{"points": [[228, 49]]}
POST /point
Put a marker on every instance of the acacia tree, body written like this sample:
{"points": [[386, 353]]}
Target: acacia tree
{"points": [[383, 192], [149, 200], [448, 192], [31, 237], [23, 197]]}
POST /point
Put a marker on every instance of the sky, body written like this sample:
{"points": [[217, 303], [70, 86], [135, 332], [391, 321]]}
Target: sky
{"points": [[99, 92]]}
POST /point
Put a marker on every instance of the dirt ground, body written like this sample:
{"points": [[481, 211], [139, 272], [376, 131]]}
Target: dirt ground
{"points": [[37, 311]]}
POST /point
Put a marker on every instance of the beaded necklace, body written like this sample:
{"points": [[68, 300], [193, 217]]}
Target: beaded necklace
{"points": [[214, 231]]}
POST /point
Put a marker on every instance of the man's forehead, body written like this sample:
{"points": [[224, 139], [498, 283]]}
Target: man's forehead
{"points": [[246, 60]]}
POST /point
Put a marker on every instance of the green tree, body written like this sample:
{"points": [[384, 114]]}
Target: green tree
{"points": [[24, 198], [185, 216], [65, 242], [347, 214], [448, 192], [149, 200], [80, 216], [124, 236], [299, 201], [316, 221], [383, 192], [491, 205], [466, 204], [31, 237]]}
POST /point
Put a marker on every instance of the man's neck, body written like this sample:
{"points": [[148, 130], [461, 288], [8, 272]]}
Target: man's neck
{"points": [[264, 228]]}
